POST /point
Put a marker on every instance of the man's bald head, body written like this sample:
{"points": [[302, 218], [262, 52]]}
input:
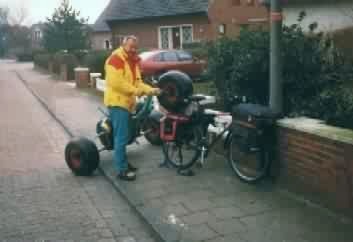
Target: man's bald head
{"points": [[130, 45]]}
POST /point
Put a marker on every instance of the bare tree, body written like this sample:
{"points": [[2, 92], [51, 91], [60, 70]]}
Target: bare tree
{"points": [[18, 14], [348, 10], [4, 14]]}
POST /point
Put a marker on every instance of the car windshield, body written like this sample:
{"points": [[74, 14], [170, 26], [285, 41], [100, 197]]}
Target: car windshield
{"points": [[146, 55]]}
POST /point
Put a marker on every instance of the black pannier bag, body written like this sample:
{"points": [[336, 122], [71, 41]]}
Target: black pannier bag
{"points": [[176, 89], [254, 125]]}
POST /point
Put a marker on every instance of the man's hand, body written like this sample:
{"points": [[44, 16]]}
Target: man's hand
{"points": [[155, 92]]}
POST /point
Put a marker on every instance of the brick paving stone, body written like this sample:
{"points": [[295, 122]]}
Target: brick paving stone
{"points": [[155, 203], [213, 199], [227, 212], [173, 199], [40, 199], [101, 224], [198, 205], [223, 201], [175, 209], [228, 238], [106, 233], [107, 240], [197, 218], [227, 227], [202, 232]]}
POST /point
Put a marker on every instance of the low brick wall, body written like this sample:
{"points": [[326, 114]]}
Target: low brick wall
{"points": [[316, 160]]}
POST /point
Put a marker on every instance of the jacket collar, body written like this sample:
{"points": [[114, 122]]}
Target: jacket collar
{"points": [[122, 53]]}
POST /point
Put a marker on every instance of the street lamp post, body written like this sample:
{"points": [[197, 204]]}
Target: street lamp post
{"points": [[276, 83]]}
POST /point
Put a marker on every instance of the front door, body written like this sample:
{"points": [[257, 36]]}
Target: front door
{"points": [[176, 38]]}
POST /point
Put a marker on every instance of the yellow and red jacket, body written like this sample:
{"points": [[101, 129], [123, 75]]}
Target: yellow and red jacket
{"points": [[123, 81]]}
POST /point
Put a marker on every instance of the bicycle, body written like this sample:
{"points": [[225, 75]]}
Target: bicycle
{"points": [[248, 136]]}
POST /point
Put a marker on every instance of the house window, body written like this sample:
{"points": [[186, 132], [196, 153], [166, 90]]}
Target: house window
{"points": [[187, 34], [164, 38], [222, 29], [37, 35], [107, 45], [173, 37]]}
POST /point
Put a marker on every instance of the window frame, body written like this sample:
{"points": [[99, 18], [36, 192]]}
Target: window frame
{"points": [[170, 37]]}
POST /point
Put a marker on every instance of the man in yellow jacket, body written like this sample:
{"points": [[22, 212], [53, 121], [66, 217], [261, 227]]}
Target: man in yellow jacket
{"points": [[124, 84]]}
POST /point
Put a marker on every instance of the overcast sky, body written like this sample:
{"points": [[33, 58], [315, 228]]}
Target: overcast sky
{"points": [[40, 9]]}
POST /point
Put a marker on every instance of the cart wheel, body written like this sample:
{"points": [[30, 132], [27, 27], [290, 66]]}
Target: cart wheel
{"points": [[82, 156]]}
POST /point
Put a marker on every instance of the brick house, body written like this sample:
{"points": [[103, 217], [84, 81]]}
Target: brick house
{"points": [[37, 35], [172, 23], [101, 35]]}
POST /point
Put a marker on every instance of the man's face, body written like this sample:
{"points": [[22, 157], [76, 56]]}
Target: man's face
{"points": [[131, 47]]}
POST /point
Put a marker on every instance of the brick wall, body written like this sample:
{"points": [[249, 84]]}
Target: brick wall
{"points": [[318, 167], [234, 15]]}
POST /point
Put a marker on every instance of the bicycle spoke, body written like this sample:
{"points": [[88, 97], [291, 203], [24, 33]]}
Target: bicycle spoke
{"points": [[248, 166], [183, 153], [180, 156]]}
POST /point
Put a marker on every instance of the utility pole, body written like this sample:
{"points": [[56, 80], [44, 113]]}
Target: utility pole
{"points": [[276, 82]]}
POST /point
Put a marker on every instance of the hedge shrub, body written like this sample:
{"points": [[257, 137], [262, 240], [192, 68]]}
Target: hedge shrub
{"points": [[80, 55], [312, 68], [42, 60], [197, 49], [335, 106], [25, 56], [95, 61], [65, 58]]}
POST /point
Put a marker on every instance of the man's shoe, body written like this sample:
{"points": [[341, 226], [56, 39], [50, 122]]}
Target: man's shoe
{"points": [[131, 167], [127, 176]]}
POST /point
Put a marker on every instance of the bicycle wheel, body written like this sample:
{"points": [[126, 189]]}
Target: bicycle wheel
{"points": [[251, 166], [184, 152]]}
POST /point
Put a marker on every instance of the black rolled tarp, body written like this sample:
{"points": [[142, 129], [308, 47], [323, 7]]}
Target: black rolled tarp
{"points": [[176, 88]]}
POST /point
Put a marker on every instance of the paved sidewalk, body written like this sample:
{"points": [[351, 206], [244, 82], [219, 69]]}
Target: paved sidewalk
{"points": [[40, 199], [212, 206]]}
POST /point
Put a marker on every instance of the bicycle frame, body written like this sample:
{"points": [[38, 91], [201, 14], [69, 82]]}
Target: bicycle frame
{"points": [[135, 123], [205, 146]]}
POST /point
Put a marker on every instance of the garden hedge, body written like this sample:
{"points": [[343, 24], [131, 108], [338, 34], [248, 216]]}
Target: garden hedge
{"points": [[315, 74]]}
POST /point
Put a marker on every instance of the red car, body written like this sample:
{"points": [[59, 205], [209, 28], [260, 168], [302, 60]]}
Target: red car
{"points": [[154, 63]]}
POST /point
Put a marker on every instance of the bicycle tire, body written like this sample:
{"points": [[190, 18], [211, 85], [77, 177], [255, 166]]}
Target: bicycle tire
{"points": [[262, 156], [192, 158]]}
